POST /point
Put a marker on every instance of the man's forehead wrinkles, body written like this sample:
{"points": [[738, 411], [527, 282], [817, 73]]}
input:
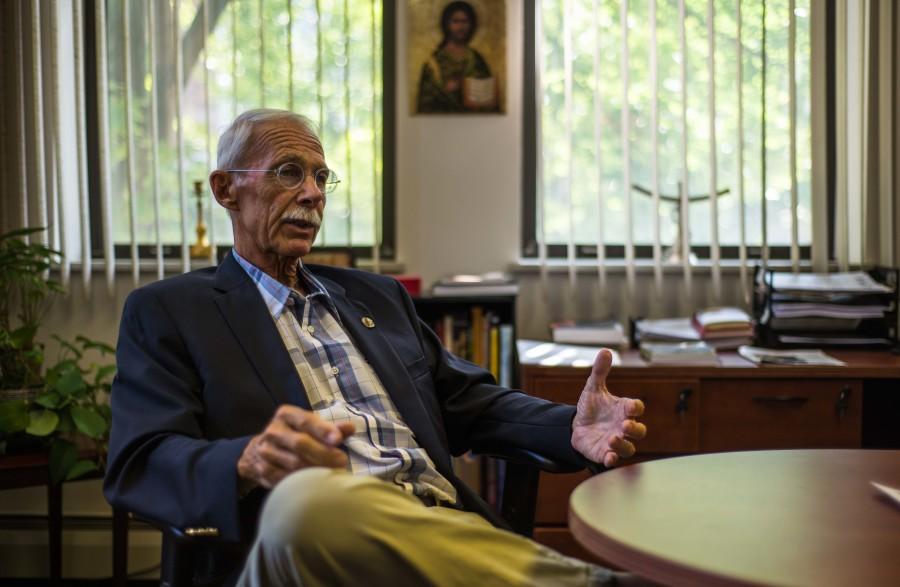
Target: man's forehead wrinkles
{"points": [[278, 134], [283, 144]]}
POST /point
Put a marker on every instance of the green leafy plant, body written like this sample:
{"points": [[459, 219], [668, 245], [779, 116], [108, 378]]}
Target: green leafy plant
{"points": [[71, 411], [24, 293], [64, 409]]}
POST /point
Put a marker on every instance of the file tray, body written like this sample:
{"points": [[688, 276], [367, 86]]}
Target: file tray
{"points": [[836, 310]]}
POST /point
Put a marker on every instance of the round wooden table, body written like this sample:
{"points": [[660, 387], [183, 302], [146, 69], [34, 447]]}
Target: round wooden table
{"points": [[791, 517]]}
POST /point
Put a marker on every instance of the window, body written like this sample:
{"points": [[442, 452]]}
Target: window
{"points": [[324, 60], [577, 171]]}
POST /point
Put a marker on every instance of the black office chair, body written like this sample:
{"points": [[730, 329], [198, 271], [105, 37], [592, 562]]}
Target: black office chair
{"points": [[517, 506]]}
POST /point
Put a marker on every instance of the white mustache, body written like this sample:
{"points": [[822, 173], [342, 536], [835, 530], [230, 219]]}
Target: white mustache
{"points": [[304, 214]]}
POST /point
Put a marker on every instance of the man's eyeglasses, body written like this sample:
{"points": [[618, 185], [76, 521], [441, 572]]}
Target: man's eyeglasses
{"points": [[291, 176]]}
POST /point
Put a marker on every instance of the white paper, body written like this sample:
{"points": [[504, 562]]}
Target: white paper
{"points": [[802, 310], [842, 340], [550, 354], [763, 356], [668, 328], [891, 492], [854, 281]]}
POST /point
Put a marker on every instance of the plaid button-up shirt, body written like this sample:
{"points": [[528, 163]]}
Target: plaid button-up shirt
{"points": [[343, 387]]}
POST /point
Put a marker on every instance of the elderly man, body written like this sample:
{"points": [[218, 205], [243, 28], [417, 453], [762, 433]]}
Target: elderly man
{"points": [[318, 391]]}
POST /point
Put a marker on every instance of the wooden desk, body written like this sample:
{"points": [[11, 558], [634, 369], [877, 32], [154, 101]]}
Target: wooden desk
{"points": [[798, 517], [735, 406]]}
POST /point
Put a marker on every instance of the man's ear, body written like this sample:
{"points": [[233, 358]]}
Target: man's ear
{"points": [[223, 189]]}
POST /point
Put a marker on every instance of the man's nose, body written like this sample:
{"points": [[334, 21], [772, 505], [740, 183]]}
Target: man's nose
{"points": [[310, 195]]}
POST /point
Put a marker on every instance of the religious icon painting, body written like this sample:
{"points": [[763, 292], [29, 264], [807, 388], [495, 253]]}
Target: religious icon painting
{"points": [[456, 55]]}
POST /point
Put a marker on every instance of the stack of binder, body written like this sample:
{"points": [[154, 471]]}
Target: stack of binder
{"points": [[853, 309]]}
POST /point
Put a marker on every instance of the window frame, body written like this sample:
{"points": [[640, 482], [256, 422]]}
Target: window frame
{"points": [[529, 244], [388, 249]]}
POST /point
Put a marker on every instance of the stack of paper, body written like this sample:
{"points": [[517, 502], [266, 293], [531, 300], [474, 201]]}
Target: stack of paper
{"points": [[549, 354], [825, 309], [725, 328], [762, 356], [486, 284], [666, 329], [607, 333], [678, 353], [720, 328], [855, 282]]}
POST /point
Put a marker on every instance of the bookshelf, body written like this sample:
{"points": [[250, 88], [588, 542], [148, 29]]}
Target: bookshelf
{"points": [[480, 329]]}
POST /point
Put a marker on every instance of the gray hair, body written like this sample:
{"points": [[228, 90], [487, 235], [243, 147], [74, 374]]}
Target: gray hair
{"points": [[236, 145]]}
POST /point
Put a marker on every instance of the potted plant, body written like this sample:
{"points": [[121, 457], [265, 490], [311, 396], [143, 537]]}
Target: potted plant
{"points": [[24, 293], [72, 410], [64, 409]]}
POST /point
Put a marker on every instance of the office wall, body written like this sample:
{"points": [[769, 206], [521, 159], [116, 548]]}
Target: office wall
{"points": [[458, 176]]}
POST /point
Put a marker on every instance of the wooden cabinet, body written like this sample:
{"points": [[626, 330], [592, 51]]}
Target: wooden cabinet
{"points": [[736, 406]]}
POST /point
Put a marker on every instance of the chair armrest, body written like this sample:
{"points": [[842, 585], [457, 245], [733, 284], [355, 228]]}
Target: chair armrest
{"points": [[179, 545], [523, 467], [186, 536], [522, 456]]}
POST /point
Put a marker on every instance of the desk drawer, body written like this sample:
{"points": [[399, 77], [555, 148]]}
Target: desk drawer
{"points": [[781, 413], [671, 408]]}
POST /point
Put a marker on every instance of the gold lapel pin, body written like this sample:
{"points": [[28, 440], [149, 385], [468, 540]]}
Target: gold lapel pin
{"points": [[368, 322]]}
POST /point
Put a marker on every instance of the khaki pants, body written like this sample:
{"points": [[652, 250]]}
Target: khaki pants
{"points": [[327, 527]]}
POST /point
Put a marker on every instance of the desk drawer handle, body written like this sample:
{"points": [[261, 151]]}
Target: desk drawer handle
{"points": [[843, 401], [780, 399], [681, 406]]}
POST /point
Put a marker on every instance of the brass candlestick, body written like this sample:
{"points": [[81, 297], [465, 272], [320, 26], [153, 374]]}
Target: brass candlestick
{"points": [[200, 249]]}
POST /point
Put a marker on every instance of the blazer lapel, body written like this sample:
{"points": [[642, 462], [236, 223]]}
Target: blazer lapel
{"points": [[389, 367], [249, 319]]}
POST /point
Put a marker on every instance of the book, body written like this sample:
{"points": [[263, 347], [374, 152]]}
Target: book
{"points": [[486, 284], [712, 322], [480, 91], [729, 344], [495, 351], [666, 329], [506, 355], [595, 332], [678, 353]]}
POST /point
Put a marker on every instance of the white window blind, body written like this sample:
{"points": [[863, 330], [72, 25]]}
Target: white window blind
{"points": [[176, 72], [111, 166], [650, 107]]}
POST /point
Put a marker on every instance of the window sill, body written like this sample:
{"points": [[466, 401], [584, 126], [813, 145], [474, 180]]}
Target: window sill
{"points": [[174, 266], [525, 266]]}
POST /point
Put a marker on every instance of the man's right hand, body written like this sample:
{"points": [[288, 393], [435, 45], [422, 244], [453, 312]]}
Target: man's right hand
{"points": [[294, 439]]}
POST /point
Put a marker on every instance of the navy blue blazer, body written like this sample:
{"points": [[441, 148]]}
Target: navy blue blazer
{"points": [[202, 368]]}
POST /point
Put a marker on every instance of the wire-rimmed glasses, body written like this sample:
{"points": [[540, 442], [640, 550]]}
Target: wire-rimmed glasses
{"points": [[291, 176]]}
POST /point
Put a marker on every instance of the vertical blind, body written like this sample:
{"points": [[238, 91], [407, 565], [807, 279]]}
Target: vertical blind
{"points": [[232, 55], [170, 76], [650, 108]]}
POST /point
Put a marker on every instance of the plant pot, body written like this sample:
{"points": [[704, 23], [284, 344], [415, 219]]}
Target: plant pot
{"points": [[22, 443]]}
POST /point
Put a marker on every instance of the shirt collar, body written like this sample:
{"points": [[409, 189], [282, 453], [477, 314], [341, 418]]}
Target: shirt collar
{"points": [[275, 294]]}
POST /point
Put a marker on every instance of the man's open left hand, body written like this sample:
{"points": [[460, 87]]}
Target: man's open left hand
{"points": [[604, 424]]}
